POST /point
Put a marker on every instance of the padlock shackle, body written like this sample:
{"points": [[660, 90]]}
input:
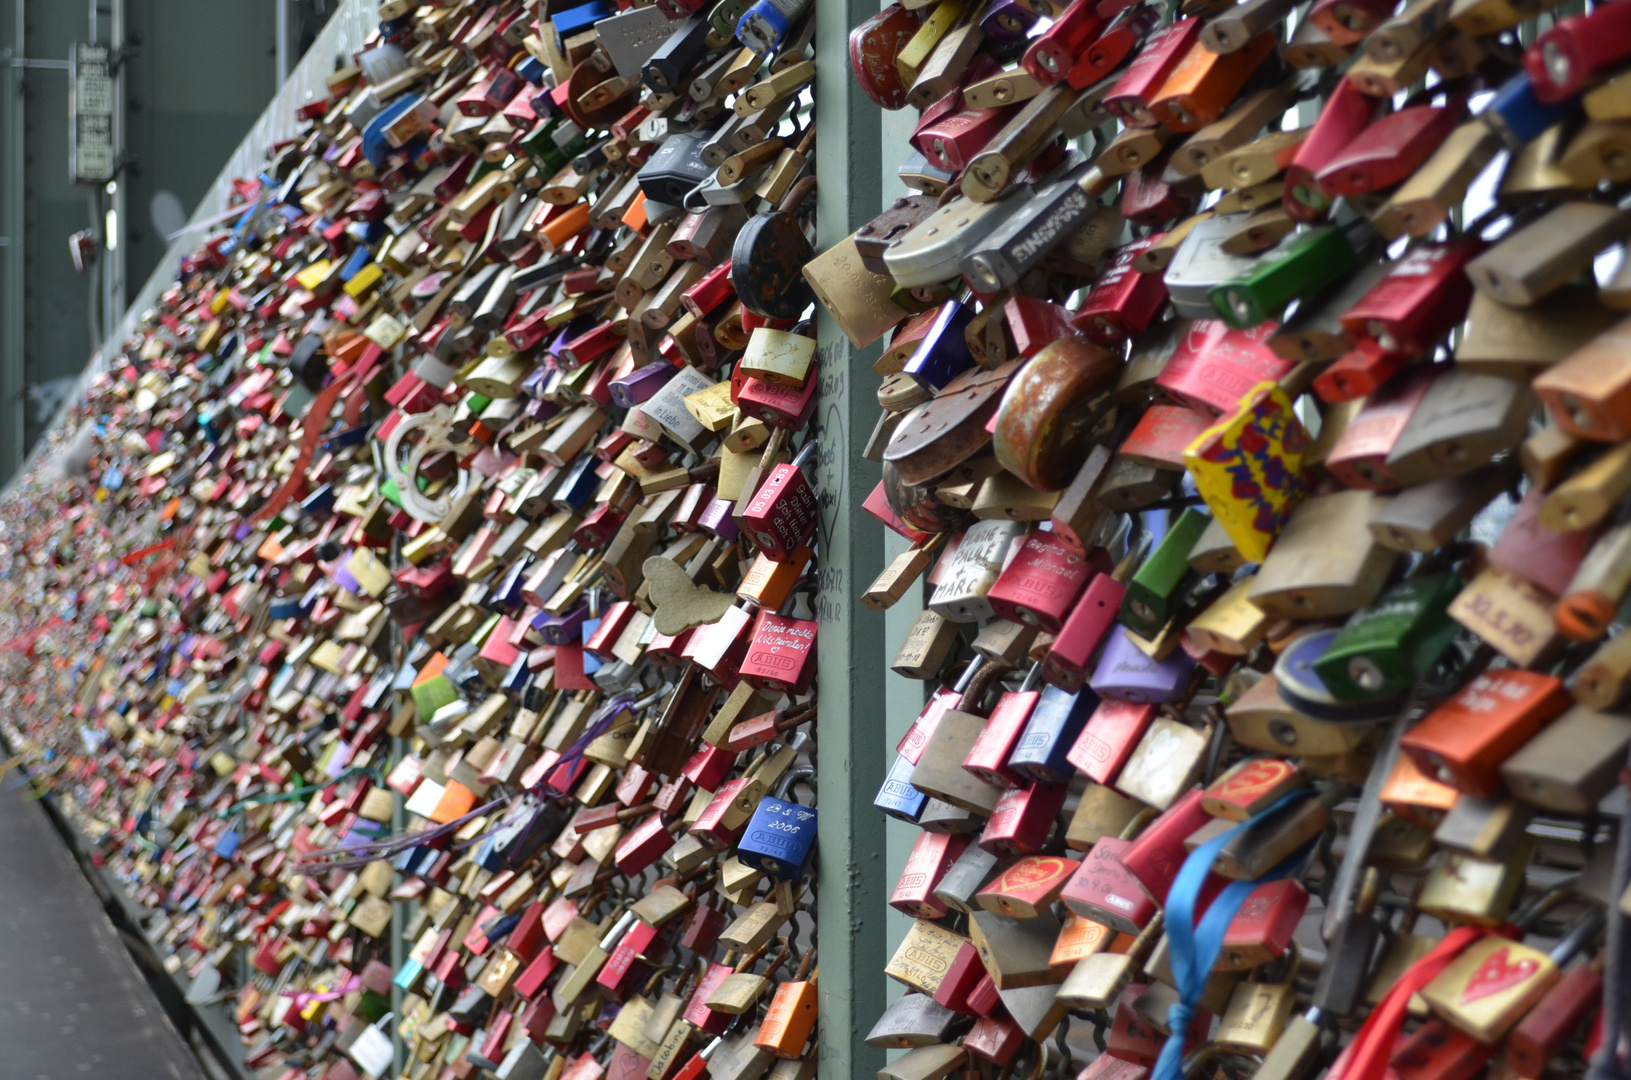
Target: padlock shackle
{"points": [[797, 194], [618, 929], [810, 446], [789, 778], [1527, 918], [1583, 931]]}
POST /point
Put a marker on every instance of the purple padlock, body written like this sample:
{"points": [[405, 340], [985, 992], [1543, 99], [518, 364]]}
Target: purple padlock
{"points": [[717, 520], [533, 387], [539, 410], [561, 629], [642, 383], [1007, 21], [1126, 674]]}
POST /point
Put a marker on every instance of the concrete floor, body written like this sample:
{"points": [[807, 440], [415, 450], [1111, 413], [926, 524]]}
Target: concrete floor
{"points": [[72, 1001]]}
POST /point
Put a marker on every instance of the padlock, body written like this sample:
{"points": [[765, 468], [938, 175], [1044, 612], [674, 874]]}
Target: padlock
{"points": [[1346, 113], [972, 569], [916, 1019], [1544, 1030], [1130, 98], [1388, 150], [1429, 515], [1464, 741], [1021, 818], [1428, 196], [1303, 577], [1250, 787], [1462, 421], [924, 956], [1126, 672], [1392, 644], [1150, 598], [1566, 58], [932, 855], [781, 654], [1102, 812], [1215, 366], [1260, 846], [1015, 951], [1064, 214], [1487, 989], [1593, 594], [1040, 432], [1468, 889], [1079, 939], [1123, 301], [1531, 263], [1027, 888], [1098, 981], [1570, 764], [1203, 83], [1041, 583], [1104, 890], [1109, 737], [1057, 719], [939, 771], [1300, 264], [988, 758], [1256, 1015], [738, 992], [781, 516], [972, 870]]}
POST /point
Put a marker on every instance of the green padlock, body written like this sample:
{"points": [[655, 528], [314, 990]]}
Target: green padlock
{"points": [[1296, 266], [1387, 647], [1153, 592], [545, 146], [725, 15]]}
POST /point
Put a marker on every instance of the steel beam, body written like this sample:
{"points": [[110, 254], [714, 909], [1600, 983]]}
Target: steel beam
{"points": [[851, 751]]}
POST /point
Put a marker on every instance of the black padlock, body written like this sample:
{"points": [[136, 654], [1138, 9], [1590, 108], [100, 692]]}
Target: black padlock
{"points": [[767, 261]]}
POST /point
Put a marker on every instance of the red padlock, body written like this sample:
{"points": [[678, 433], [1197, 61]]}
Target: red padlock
{"points": [[1052, 55], [781, 655], [782, 515], [988, 757], [1387, 151], [1130, 98], [1420, 299], [1123, 302], [1109, 738], [932, 855], [1348, 111], [1042, 582], [1022, 819], [1575, 52]]}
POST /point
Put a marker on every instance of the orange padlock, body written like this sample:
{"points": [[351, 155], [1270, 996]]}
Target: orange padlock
{"points": [[1463, 742], [792, 1014]]}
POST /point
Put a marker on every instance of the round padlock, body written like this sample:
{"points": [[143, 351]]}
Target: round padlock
{"points": [[1050, 410], [917, 505]]}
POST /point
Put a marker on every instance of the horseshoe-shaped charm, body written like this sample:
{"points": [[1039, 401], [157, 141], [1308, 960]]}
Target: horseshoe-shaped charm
{"points": [[435, 426]]}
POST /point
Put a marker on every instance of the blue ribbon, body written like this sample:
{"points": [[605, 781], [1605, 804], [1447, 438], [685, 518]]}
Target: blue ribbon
{"points": [[1193, 946]]}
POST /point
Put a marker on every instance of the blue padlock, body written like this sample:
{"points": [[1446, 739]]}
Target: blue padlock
{"points": [[943, 353], [1056, 721], [1518, 116], [897, 797], [765, 26], [779, 838]]}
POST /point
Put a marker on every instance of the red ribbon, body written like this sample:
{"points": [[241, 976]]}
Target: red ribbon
{"points": [[317, 416], [1373, 1046]]}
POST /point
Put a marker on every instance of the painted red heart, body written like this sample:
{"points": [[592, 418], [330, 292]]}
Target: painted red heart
{"points": [[1496, 974]]}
